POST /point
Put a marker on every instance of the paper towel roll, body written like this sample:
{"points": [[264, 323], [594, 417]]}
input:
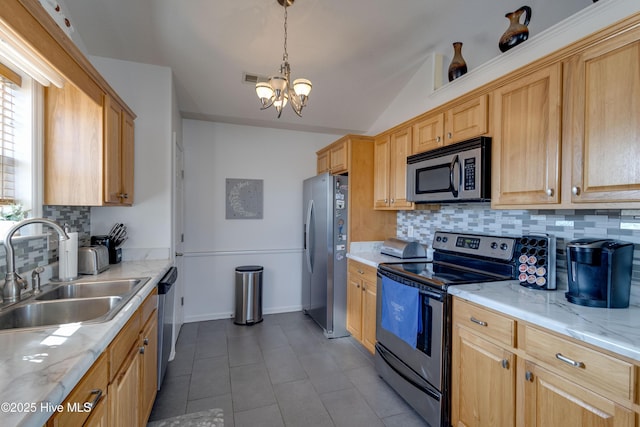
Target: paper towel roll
{"points": [[68, 258]]}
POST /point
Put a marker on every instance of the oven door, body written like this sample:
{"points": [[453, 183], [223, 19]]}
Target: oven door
{"points": [[426, 357]]}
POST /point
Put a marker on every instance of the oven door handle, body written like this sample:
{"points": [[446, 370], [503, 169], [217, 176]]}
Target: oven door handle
{"points": [[452, 184], [390, 363]]}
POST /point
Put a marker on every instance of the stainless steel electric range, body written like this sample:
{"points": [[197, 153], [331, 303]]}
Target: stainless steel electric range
{"points": [[414, 315]]}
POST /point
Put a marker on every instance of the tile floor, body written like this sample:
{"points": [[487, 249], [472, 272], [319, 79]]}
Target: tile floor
{"points": [[280, 372]]}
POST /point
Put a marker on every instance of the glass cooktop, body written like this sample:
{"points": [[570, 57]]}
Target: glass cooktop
{"points": [[443, 274]]}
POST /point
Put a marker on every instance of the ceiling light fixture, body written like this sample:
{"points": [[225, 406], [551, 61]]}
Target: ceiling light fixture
{"points": [[278, 90]]}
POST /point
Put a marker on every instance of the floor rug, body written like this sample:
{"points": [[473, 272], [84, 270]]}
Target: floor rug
{"points": [[208, 418]]}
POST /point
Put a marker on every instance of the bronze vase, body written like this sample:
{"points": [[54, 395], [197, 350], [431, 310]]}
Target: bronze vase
{"points": [[458, 66], [517, 32]]}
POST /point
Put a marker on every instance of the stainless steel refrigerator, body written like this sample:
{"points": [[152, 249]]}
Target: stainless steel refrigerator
{"points": [[324, 263]]}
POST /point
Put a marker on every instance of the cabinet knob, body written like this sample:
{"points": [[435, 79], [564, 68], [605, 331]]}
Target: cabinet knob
{"points": [[505, 363], [438, 138], [145, 341], [360, 271], [358, 286], [141, 349], [528, 376], [123, 195], [363, 288], [393, 200], [575, 191], [449, 135], [386, 200], [549, 192]]}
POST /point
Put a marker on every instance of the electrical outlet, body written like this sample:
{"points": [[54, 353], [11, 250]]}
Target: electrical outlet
{"points": [[410, 231], [52, 241]]}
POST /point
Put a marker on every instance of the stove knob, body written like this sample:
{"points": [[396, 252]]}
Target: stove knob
{"points": [[438, 239], [444, 239], [504, 246], [494, 245]]}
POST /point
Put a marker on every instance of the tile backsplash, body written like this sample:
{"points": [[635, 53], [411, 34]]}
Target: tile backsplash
{"points": [[33, 252], [565, 225]]}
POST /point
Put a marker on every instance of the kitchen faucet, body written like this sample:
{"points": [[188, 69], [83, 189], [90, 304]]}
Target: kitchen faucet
{"points": [[13, 283]]}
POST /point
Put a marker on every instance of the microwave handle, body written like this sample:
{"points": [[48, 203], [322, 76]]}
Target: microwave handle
{"points": [[454, 188]]}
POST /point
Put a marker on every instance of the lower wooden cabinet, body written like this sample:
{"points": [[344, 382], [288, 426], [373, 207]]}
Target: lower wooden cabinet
{"points": [[120, 388], [361, 303], [539, 380], [552, 400]]}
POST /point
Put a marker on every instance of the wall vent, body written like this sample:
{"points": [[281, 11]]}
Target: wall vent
{"points": [[252, 79]]}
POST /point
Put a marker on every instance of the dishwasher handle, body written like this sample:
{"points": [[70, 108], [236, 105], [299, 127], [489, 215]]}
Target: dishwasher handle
{"points": [[165, 284]]}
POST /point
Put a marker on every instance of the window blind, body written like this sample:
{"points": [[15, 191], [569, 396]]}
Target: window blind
{"points": [[7, 141]]}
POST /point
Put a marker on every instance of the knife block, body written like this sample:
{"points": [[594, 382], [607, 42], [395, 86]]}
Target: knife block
{"points": [[115, 254]]}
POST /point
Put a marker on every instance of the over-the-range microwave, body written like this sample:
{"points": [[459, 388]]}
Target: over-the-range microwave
{"points": [[458, 172]]}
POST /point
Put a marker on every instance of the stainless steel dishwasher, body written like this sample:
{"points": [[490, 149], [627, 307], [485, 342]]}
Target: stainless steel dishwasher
{"points": [[166, 296]]}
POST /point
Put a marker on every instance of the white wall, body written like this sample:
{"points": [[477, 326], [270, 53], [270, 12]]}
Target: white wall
{"points": [[214, 246], [147, 89]]}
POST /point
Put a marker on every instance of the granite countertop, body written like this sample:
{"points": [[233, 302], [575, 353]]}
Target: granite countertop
{"points": [[616, 329], [42, 366], [369, 253]]}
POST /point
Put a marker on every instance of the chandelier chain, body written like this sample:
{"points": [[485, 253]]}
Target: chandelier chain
{"points": [[285, 56]]}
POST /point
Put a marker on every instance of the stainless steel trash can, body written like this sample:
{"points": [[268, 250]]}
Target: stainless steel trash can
{"points": [[248, 294]]}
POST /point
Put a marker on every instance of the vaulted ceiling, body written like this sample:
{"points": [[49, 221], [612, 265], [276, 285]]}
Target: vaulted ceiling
{"points": [[357, 53]]}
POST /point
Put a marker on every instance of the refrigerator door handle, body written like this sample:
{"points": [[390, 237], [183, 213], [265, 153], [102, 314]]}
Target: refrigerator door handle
{"points": [[307, 237]]}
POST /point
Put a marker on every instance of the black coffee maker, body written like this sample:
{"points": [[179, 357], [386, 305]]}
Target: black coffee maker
{"points": [[599, 272]]}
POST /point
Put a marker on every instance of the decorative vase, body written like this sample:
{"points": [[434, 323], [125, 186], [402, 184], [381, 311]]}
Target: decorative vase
{"points": [[458, 66], [517, 32]]}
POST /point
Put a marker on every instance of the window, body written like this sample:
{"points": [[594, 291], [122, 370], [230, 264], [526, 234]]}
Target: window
{"points": [[8, 139]]}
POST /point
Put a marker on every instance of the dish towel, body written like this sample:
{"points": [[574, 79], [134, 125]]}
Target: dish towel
{"points": [[400, 310]]}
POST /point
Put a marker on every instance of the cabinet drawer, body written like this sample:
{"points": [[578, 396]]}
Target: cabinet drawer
{"points": [[148, 306], [366, 272], [484, 321], [91, 387], [580, 363], [119, 348]]}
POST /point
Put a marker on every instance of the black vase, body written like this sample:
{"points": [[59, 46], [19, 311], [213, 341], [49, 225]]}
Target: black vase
{"points": [[517, 32], [458, 66]]}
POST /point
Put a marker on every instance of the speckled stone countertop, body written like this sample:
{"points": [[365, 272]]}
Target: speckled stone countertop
{"points": [[615, 329], [369, 253], [40, 367]]}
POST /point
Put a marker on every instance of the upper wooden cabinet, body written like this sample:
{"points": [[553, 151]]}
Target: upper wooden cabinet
{"points": [[526, 141], [353, 155], [88, 150], [602, 121], [390, 182], [459, 122], [334, 158]]}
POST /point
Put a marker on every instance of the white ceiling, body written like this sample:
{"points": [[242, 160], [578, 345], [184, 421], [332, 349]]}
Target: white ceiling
{"points": [[357, 53]]}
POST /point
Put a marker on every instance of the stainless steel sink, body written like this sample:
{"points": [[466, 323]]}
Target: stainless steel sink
{"points": [[92, 289], [37, 314], [88, 302]]}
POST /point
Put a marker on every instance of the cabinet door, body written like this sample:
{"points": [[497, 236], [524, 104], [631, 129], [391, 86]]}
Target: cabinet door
{"points": [[483, 382], [124, 392], [552, 401], [526, 142], [149, 367], [400, 149], [603, 116], [467, 120], [128, 159], [112, 152], [354, 306], [381, 162], [339, 158], [322, 162], [428, 134], [369, 291]]}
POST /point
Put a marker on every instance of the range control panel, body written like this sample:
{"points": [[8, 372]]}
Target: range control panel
{"points": [[501, 248]]}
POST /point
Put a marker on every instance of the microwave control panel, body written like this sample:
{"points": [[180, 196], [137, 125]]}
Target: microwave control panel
{"points": [[470, 174]]}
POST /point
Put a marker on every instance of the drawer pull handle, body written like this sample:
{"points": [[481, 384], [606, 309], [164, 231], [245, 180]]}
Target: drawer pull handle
{"points": [[571, 362], [98, 393], [478, 322]]}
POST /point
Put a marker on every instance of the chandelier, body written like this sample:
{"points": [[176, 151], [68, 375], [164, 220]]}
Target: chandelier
{"points": [[278, 90]]}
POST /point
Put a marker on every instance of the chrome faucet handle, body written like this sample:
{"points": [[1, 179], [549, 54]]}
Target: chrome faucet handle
{"points": [[35, 280]]}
